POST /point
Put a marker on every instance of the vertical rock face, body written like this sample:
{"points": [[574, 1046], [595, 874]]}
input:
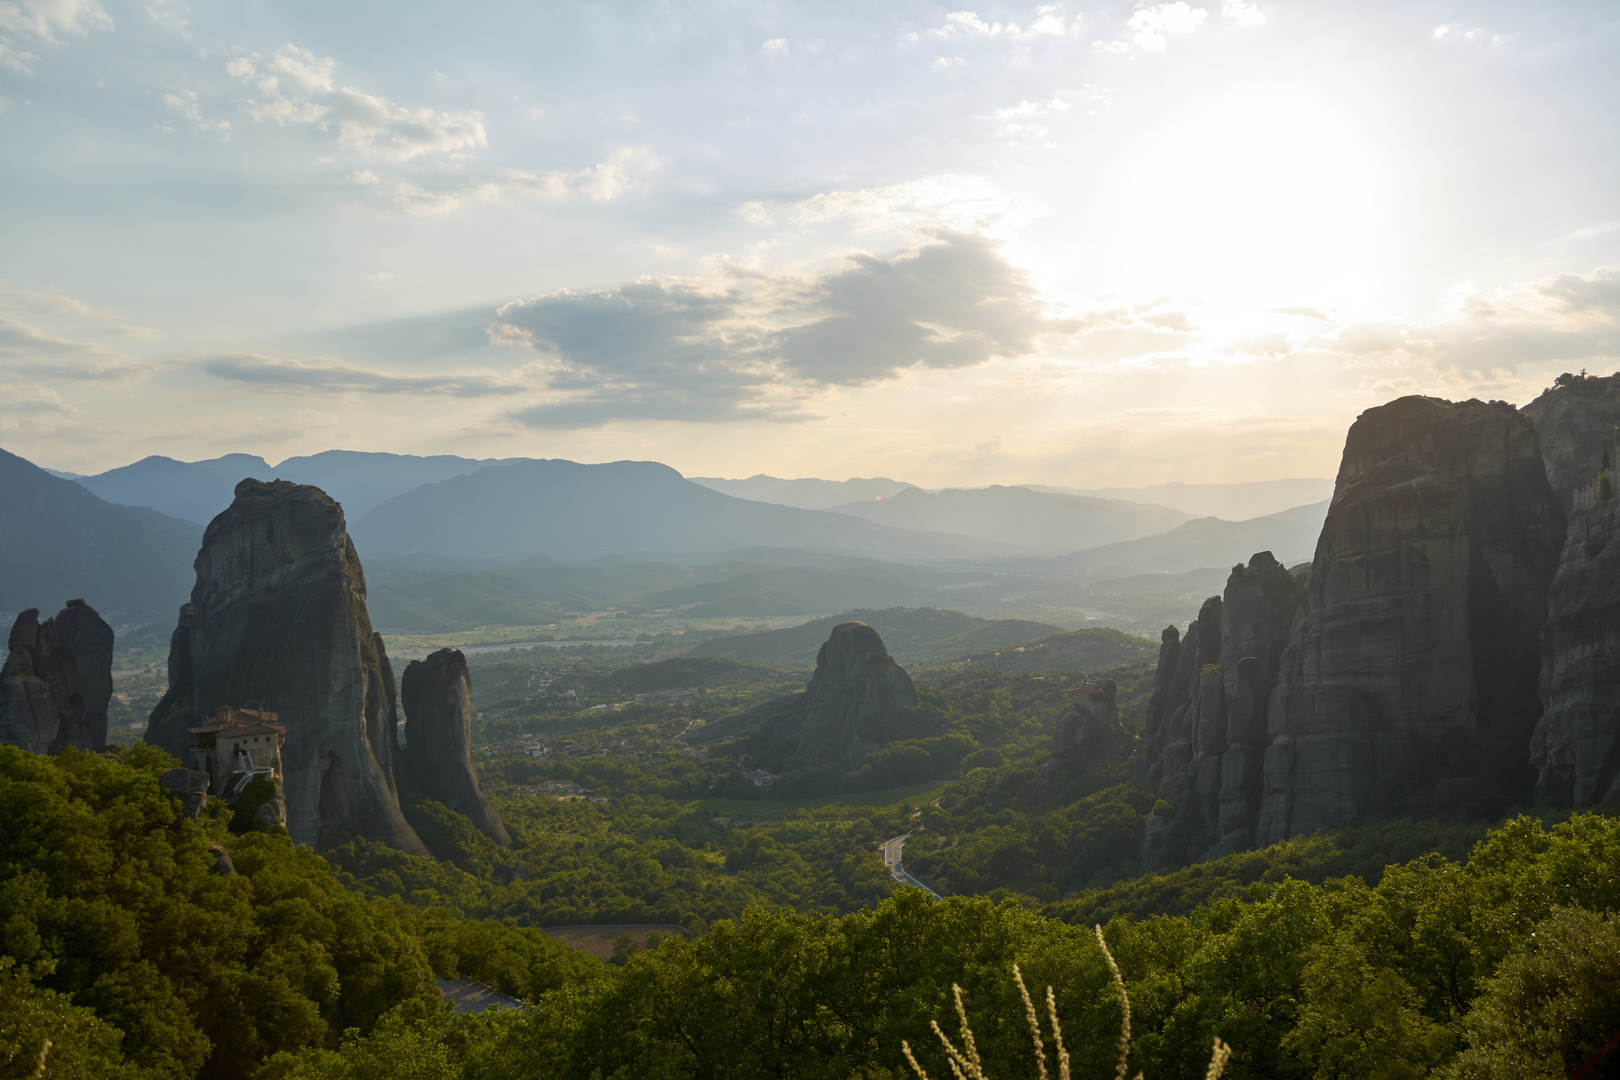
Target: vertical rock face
{"points": [[1575, 420], [176, 712], [278, 621], [1206, 722], [1409, 681], [1576, 745], [1578, 737], [437, 759], [57, 681], [855, 677]]}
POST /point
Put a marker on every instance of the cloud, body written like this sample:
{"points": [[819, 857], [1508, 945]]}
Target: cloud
{"points": [[28, 350], [297, 88], [1568, 319], [910, 210], [755, 344], [774, 45], [1150, 28], [622, 174], [44, 23], [1048, 20], [269, 374], [186, 104]]}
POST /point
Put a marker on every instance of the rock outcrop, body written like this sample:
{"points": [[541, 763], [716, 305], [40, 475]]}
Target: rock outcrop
{"points": [[57, 681], [1206, 721], [1576, 419], [1578, 737], [437, 757], [1576, 745], [278, 621], [855, 677], [1409, 683], [1093, 711]]}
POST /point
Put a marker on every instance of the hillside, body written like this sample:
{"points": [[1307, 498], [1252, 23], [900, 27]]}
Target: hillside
{"points": [[1290, 535], [573, 512], [1095, 649], [912, 635], [59, 541], [1033, 522]]}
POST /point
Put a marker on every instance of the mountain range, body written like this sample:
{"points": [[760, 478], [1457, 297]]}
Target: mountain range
{"points": [[59, 542]]}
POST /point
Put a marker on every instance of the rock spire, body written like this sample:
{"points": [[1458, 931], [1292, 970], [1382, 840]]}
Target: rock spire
{"points": [[437, 759], [57, 681]]}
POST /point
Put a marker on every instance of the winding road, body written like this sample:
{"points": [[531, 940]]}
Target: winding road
{"points": [[891, 858]]}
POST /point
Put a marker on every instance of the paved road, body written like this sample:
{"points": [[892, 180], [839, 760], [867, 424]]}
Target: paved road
{"points": [[891, 858]]}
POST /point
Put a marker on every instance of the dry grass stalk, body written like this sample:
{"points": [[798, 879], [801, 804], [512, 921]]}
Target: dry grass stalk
{"points": [[965, 1063], [39, 1070]]}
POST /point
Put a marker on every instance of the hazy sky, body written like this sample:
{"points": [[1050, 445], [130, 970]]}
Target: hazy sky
{"points": [[1078, 244]]}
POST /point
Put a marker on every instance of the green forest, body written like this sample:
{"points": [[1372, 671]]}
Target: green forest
{"points": [[129, 952]]}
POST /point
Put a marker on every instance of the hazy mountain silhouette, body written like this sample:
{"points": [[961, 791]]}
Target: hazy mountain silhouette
{"points": [[572, 511], [60, 542], [807, 493], [1290, 536], [1034, 522], [198, 490], [1233, 502], [191, 490], [913, 635]]}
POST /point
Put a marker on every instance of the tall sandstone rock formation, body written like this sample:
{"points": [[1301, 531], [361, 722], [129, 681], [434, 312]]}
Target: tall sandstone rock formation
{"points": [[855, 677], [1206, 721], [436, 694], [1410, 680], [57, 681], [1576, 745], [278, 621]]}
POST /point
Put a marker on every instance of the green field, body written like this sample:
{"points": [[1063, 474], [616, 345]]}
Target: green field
{"points": [[825, 806]]}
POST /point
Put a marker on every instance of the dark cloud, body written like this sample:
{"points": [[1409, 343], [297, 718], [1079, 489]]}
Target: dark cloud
{"points": [[270, 374], [751, 347]]}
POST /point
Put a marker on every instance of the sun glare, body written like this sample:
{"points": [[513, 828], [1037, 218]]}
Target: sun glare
{"points": [[1252, 200]]}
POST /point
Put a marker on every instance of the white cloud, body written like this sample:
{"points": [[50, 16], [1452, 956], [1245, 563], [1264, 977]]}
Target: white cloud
{"points": [[1243, 12], [29, 350], [186, 104], [297, 88], [44, 22], [1048, 20], [1150, 28], [620, 175], [774, 45], [959, 203]]}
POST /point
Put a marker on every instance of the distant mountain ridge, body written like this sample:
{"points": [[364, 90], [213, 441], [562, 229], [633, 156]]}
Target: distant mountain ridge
{"points": [[572, 511], [198, 490], [807, 493], [1290, 535], [1032, 522], [59, 542], [1232, 502]]}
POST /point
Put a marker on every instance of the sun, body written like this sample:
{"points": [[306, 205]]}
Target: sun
{"points": [[1253, 199]]}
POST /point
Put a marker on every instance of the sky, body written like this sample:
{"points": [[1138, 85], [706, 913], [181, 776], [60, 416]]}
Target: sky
{"points": [[1081, 244]]}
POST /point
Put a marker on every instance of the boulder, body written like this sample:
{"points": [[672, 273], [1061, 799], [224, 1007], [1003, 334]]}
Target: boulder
{"points": [[855, 677], [278, 621], [437, 758], [1414, 657], [57, 681], [190, 787]]}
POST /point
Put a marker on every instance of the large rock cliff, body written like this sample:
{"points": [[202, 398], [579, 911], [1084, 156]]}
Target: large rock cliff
{"points": [[1576, 745], [1409, 683], [278, 621], [57, 681], [855, 677], [437, 759]]}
